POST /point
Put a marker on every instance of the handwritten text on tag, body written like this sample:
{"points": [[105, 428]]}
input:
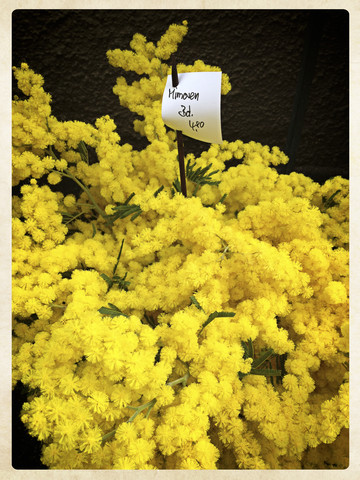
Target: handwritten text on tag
{"points": [[194, 106]]}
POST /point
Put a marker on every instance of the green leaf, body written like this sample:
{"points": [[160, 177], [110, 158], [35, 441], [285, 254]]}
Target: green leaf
{"points": [[330, 202], [248, 349], [129, 198], [107, 280], [136, 214], [81, 148], [118, 257], [266, 371], [199, 175], [121, 282], [123, 210], [263, 358], [251, 348], [279, 367], [150, 320], [113, 311], [223, 198], [196, 189], [158, 191], [176, 185], [114, 307], [216, 315]]}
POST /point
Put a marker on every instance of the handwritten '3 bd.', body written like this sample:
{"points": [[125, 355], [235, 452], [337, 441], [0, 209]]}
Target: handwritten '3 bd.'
{"points": [[186, 112]]}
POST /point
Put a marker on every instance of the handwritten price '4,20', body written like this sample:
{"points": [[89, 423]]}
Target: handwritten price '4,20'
{"points": [[186, 112]]}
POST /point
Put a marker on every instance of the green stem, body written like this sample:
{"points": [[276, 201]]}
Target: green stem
{"points": [[160, 71], [107, 436], [88, 193], [73, 218], [84, 205], [138, 410], [118, 257], [148, 405], [141, 408], [182, 380], [83, 187]]}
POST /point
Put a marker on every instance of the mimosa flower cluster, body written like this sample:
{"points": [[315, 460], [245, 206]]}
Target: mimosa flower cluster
{"points": [[157, 331]]}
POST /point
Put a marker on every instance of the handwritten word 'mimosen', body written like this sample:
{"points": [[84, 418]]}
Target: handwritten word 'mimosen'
{"points": [[183, 96]]}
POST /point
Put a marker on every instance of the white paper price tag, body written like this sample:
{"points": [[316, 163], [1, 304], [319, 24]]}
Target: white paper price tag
{"points": [[194, 106]]}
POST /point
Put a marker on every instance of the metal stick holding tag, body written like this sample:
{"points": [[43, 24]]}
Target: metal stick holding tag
{"points": [[179, 136]]}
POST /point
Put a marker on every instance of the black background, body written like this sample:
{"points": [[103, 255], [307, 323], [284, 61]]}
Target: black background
{"points": [[262, 51]]}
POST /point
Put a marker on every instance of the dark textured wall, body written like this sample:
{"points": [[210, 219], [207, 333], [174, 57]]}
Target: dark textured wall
{"points": [[260, 50]]}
